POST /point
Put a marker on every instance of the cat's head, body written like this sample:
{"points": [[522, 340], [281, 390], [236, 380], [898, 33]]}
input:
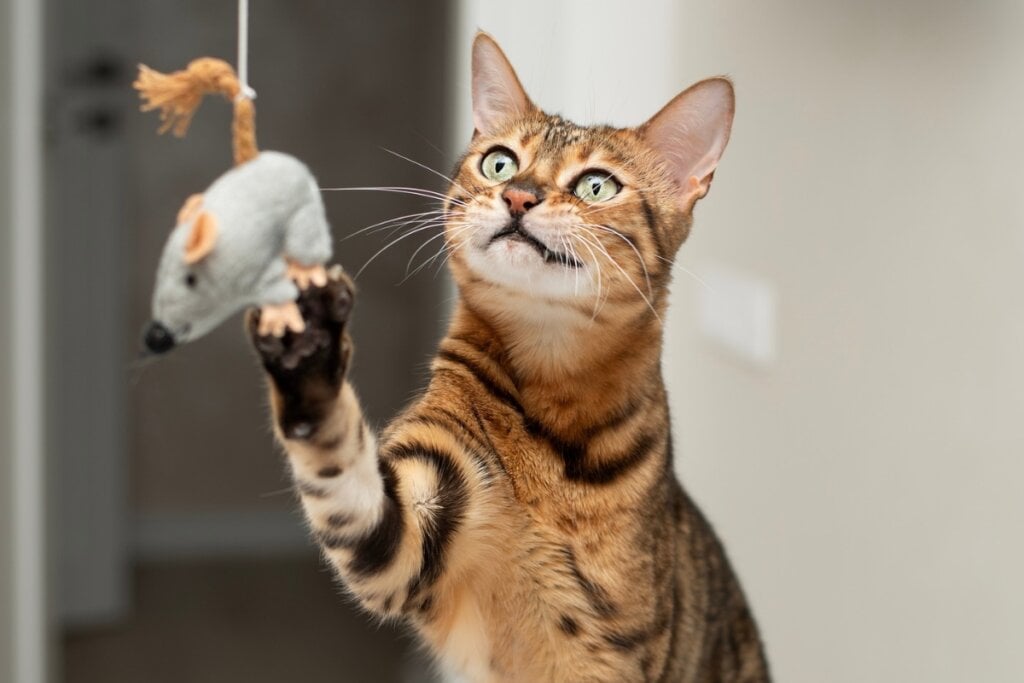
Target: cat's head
{"points": [[578, 215]]}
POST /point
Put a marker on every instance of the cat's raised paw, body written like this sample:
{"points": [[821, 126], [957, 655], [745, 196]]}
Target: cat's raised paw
{"points": [[320, 344]]}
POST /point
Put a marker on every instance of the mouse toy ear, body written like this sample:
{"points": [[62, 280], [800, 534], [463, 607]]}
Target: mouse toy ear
{"points": [[190, 208], [201, 238]]}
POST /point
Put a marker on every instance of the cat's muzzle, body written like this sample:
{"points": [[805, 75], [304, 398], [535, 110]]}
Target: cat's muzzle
{"points": [[515, 231]]}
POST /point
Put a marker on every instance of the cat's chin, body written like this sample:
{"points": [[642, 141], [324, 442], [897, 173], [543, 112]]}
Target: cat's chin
{"points": [[519, 265]]}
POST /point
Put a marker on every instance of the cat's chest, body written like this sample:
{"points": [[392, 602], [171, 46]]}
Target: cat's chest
{"points": [[539, 616], [572, 569], [560, 482]]}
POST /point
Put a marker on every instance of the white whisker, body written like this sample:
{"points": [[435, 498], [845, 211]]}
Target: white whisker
{"points": [[390, 222], [636, 251], [611, 260], [444, 247], [457, 229], [427, 168], [391, 244], [597, 265], [397, 189]]}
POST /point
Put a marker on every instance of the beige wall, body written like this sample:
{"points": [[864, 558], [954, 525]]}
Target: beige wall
{"points": [[867, 483]]}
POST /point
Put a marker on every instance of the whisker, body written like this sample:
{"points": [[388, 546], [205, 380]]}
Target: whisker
{"points": [[414, 224], [408, 264], [391, 244], [451, 252], [397, 189], [597, 266], [426, 262], [426, 168], [611, 260], [670, 261], [437, 254], [383, 225], [694, 275], [674, 263], [458, 228], [636, 251], [576, 271], [432, 145], [599, 303]]}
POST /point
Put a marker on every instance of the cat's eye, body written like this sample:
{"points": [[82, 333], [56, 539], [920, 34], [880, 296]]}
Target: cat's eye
{"points": [[190, 281], [596, 186], [499, 165]]}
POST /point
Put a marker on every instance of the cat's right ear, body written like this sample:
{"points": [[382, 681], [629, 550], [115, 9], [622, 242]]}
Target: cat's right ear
{"points": [[498, 96]]}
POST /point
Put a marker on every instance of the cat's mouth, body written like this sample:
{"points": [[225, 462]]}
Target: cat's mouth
{"points": [[514, 231]]}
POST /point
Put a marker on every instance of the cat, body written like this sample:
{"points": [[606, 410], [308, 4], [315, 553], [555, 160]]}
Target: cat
{"points": [[522, 514]]}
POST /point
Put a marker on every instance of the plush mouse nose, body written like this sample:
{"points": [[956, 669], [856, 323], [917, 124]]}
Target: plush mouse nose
{"points": [[158, 338], [519, 200]]}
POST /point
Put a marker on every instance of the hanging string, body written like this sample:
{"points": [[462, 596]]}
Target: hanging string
{"points": [[246, 90], [177, 95]]}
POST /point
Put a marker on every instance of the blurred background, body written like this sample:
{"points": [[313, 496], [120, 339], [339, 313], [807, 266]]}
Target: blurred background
{"points": [[844, 349]]}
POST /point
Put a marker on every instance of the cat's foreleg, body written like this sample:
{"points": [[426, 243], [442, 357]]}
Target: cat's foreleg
{"points": [[387, 518]]}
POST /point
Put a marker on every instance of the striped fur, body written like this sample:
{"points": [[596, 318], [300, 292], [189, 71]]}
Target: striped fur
{"points": [[522, 514]]}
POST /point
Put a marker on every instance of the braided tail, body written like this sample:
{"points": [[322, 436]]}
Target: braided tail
{"points": [[177, 96]]}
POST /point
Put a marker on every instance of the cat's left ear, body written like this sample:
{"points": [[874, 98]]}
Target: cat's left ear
{"points": [[691, 132], [498, 96]]}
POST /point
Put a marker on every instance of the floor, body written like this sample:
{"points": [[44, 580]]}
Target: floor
{"points": [[241, 621]]}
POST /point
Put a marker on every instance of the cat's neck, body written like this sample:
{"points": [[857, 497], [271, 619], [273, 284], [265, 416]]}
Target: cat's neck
{"points": [[570, 369]]}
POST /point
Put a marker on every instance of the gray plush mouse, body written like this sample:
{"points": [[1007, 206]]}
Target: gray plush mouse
{"points": [[256, 234], [226, 252]]}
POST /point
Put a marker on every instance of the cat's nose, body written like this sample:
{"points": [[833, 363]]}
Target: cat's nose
{"points": [[519, 200]]}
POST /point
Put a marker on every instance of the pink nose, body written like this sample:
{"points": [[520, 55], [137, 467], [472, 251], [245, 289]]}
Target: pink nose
{"points": [[519, 201]]}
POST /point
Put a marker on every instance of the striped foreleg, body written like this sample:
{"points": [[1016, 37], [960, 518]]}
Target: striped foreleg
{"points": [[388, 517]]}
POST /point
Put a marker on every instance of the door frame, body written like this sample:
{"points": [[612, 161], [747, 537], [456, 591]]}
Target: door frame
{"points": [[27, 620]]}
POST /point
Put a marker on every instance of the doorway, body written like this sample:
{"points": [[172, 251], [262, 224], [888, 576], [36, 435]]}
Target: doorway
{"points": [[180, 551]]}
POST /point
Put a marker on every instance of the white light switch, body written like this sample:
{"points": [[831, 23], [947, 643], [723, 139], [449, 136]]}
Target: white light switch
{"points": [[737, 311]]}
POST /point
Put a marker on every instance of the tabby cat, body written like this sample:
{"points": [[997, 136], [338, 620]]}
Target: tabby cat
{"points": [[522, 514]]}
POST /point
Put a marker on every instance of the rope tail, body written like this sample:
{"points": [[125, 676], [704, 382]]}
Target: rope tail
{"points": [[177, 95]]}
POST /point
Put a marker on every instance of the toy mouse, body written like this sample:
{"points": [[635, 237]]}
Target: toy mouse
{"points": [[243, 242]]}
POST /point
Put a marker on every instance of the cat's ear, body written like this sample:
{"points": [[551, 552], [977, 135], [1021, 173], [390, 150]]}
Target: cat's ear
{"points": [[691, 132], [497, 93]]}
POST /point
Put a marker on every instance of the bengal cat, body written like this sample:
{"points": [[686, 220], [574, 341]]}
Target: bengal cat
{"points": [[522, 514]]}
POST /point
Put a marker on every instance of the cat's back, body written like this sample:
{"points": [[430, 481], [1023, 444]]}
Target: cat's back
{"points": [[716, 638]]}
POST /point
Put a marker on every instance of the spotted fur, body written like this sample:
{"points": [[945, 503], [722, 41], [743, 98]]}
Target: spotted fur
{"points": [[522, 514]]}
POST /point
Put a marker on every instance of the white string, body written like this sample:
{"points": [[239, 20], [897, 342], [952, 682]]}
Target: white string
{"points": [[243, 51]]}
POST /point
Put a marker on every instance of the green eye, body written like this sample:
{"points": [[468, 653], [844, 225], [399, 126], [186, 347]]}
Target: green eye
{"points": [[596, 187], [499, 165]]}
